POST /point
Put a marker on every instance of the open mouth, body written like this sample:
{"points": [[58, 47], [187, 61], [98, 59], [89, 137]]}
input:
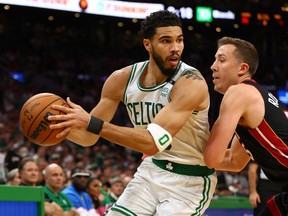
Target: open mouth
{"points": [[174, 60]]}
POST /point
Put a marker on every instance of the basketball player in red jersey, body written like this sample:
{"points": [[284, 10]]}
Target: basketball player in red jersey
{"points": [[258, 117]]}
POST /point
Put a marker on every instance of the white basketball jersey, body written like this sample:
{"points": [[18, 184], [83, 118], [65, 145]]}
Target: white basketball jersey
{"points": [[144, 103]]}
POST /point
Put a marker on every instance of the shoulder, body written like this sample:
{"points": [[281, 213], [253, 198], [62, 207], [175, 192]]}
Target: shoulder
{"points": [[68, 189], [242, 92], [122, 73], [46, 190], [120, 77], [244, 101], [115, 84], [191, 89], [190, 77]]}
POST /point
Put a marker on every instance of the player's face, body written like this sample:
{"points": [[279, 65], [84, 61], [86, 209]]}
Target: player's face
{"points": [[166, 48], [225, 68]]}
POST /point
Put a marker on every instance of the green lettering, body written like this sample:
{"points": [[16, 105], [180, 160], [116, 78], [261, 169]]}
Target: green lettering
{"points": [[163, 140], [142, 113], [136, 113]]}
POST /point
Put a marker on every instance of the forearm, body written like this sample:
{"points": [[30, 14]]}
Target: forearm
{"points": [[252, 177], [82, 137], [137, 139], [232, 162], [252, 184]]}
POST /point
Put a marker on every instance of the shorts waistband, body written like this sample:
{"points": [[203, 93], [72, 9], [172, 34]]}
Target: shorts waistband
{"points": [[183, 169]]}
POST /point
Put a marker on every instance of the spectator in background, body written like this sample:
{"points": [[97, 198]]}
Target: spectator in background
{"points": [[56, 203], [94, 169], [76, 193], [222, 186], [12, 157], [116, 189], [237, 183], [261, 188], [105, 190], [13, 177], [93, 188], [29, 172]]}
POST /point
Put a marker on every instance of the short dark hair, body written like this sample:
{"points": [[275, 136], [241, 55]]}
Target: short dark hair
{"points": [[162, 18], [244, 51]]}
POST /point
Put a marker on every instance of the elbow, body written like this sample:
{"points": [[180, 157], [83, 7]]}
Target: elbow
{"points": [[209, 160], [210, 163], [152, 151]]}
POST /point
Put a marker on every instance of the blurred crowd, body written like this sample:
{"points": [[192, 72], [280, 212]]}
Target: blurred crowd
{"points": [[74, 59]]}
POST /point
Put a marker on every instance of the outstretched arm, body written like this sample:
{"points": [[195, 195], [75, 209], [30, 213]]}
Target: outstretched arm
{"points": [[76, 119], [171, 118]]}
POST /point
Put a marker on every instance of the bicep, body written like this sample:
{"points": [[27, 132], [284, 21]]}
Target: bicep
{"points": [[171, 119], [175, 114], [231, 111]]}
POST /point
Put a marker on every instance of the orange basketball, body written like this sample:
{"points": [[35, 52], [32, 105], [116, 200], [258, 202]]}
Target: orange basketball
{"points": [[34, 122]]}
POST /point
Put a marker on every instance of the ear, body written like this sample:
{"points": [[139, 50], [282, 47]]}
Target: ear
{"points": [[147, 44], [244, 68]]}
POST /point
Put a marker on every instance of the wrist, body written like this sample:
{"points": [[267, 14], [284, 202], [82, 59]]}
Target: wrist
{"points": [[95, 125]]}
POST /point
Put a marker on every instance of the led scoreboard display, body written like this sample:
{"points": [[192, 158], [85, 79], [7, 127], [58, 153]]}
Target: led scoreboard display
{"points": [[182, 12]]}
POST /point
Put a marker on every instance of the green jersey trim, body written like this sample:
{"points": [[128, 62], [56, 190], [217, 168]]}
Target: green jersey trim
{"points": [[132, 74]]}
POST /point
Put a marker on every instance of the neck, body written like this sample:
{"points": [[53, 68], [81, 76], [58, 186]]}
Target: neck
{"points": [[247, 77], [54, 190], [152, 76]]}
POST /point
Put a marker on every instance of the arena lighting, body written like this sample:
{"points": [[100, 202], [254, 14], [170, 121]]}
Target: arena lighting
{"points": [[264, 18], [182, 12], [204, 14], [283, 96], [123, 9], [245, 18], [65, 5], [223, 15]]}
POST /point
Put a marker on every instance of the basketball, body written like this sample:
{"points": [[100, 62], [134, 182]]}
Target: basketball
{"points": [[34, 122]]}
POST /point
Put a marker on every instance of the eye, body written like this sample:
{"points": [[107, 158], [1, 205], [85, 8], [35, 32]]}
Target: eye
{"points": [[180, 40]]}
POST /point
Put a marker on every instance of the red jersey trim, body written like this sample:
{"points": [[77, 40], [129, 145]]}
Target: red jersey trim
{"points": [[272, 206], [271, 142]]}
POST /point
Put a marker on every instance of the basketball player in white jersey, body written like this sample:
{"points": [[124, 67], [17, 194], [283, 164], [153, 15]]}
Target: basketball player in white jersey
{"points": [[168, 102]]}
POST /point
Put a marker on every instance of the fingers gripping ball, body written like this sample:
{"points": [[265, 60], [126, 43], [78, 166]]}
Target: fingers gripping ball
{"points": [[34, 121]]}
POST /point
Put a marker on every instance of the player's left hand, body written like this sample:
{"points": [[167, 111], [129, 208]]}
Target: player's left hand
{"points": [[75, 117]]}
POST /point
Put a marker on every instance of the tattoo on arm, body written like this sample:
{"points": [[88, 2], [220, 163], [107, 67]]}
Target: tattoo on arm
{"points": [[195, 74]]}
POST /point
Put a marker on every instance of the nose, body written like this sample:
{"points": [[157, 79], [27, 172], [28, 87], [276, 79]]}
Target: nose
{"points": [[175, 47], [213, 66]]}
